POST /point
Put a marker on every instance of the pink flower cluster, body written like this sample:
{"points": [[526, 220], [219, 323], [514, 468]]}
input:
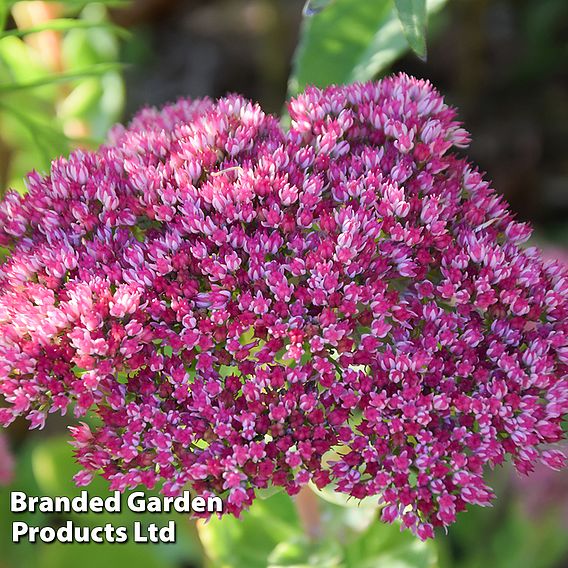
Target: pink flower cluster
{"points": [[345, 303]]}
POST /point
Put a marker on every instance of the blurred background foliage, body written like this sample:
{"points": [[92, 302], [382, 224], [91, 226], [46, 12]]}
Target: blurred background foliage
{"points": [[60, 82], [69, 69]]}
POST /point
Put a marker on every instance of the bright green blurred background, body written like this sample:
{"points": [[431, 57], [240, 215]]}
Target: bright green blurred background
{"points": [[68, 70]]}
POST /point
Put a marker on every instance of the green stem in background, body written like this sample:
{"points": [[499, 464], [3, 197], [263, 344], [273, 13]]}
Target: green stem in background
{"points": [[4, 9], [63, 25], [92, 71]]}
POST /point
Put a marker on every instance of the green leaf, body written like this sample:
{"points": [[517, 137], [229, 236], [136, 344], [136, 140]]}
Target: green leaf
{"points": [[53, 467], [341, 499], [65, 24], [302, 553], [78, 3], [69, 555], [270, 534], [43, 136], [268, 491], [388, 546], [4, 10], [93, 71], [18, 62], [82, 98], [413, 18], [248, 542], [333, 41], [349, 41], [312, 7], [23, 554]]}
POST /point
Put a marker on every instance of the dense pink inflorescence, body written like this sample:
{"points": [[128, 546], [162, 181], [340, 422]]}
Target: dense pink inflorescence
{"points": [[345, 303]]}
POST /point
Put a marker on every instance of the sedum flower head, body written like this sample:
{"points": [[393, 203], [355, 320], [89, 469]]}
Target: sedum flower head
{"points": [[344, 303]]}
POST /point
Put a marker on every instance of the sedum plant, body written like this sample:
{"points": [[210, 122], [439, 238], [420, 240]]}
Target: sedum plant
{"points": [[346, 303]]}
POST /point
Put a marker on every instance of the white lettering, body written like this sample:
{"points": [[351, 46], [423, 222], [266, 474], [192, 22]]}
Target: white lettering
{"points": [[18, 502]]}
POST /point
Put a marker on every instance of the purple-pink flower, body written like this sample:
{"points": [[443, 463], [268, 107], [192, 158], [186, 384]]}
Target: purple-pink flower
{"points": [[345, 303]]}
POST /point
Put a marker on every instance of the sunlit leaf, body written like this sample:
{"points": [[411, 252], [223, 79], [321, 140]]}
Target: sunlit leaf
{"points": [[63, 25], [268, 492], [413, 17], [303, 553], [312, 7], [18, 62], [386, 545], [71, 555], [93, 71], [4, 10], [349, 41], [343, 500], [78, 3], [270, 534], [53, 467], [248, 542], [81, 99]]}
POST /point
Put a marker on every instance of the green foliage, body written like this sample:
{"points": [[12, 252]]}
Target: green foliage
{"points": [[46, 469], [247, 542], [504, 536], [349, 40], [64, 25], [44, 113], [270, 534], [54, 78]]}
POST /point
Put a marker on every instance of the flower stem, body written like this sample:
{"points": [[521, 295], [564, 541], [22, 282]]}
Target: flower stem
{"points": [[307, 506]]}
